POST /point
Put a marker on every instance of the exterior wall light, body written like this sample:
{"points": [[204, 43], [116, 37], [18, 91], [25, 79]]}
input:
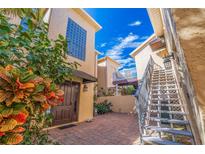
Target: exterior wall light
{"points": [[85, 88]]}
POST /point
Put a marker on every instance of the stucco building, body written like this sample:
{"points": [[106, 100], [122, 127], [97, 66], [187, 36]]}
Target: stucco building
{"points": [[79, 29], [106, 67]]}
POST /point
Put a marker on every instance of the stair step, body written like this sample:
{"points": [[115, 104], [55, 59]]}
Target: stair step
{"points": [[159, 81], [165, 99], [168, 105], [162, 70], [157, 140], [174, 121], [163, 83], [162, 89], [162, 73], [166, 85], [169, 112], [165, 94], [162, 80], [171, 89], [169, 130], [162, 76]]}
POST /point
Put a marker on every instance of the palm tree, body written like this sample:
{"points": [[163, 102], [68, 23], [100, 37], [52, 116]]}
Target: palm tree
{"points": [[22, 12]]}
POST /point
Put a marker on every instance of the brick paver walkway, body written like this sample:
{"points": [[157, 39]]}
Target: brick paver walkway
{"points": [[109, 129]]}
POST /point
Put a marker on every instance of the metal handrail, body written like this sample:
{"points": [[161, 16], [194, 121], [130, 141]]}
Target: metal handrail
{"points": [[142, 95]]}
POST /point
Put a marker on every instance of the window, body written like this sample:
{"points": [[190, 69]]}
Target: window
{"points": [[76, 38], [24, 24]]}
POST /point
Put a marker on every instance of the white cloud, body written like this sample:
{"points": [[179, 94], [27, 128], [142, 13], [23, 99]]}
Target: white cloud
{"points": [[136, 23], [144, 37], [129, 72], [127, 42], [128, 62], [103, 45]]}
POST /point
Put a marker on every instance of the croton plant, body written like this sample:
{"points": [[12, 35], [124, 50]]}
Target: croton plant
{"points": [[21, 92]]}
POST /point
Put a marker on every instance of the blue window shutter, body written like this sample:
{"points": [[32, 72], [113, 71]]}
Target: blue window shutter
{"points": [[76, 38]]}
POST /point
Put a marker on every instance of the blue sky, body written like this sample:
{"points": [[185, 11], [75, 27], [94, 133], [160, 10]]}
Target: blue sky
{"points": [[123, 31]]}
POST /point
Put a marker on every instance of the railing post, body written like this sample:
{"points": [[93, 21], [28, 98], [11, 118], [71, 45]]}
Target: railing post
{"points": [[138, 106]]}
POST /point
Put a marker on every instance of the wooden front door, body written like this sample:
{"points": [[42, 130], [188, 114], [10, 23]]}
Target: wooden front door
{"points": [[68, 110]]}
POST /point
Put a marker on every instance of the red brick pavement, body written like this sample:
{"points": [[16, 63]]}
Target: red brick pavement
{"points": [[107, 129]]}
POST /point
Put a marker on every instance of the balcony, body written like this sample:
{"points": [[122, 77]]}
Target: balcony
{"points": [[126, 78]]}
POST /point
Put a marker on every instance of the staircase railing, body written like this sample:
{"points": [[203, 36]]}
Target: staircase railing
{"points": [[142, 95]]}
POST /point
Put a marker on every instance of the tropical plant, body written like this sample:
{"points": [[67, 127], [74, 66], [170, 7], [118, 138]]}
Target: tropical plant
{"points": [[23, 94], [31, 66], [25, 12]]}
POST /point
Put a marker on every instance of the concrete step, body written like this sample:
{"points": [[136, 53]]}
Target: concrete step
{"points": [[169, 130], [157, 140], [173, 121]]}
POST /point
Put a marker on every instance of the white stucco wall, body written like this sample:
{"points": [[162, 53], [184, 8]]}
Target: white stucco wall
{"points": [[102, 64], [141, 60]]}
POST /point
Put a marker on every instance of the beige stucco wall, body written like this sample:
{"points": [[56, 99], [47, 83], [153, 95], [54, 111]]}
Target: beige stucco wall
{"points": [[102, 77], [105, 73], [58, 25], [122, 104], [86, 103], [111, 68], [190, 26]]}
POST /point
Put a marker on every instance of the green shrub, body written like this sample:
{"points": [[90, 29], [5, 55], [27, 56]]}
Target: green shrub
{"points": [[103, 107], [129, 90]]}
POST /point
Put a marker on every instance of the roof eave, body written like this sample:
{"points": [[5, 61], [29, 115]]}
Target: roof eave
{"points": [[106, 58], [155, 16], [145, 43], [88, 18]]}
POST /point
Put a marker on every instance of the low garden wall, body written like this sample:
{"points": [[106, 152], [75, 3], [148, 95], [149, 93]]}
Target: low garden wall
{"points": [[122, 104]]}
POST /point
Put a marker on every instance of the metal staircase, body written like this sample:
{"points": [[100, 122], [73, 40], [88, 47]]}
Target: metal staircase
{"points": [[161, 110]]}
